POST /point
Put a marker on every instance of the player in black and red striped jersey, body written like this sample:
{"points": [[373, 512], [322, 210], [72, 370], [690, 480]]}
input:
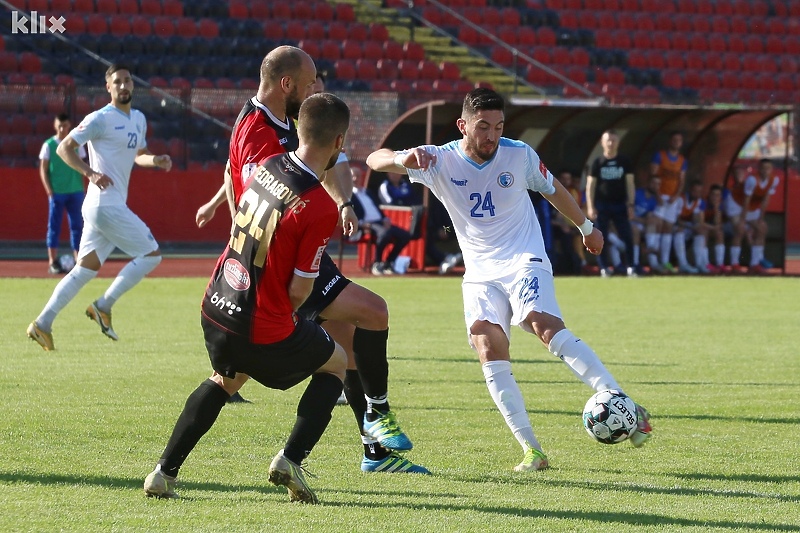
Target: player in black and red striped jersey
{"points": [[251, 328], [355, 317]]}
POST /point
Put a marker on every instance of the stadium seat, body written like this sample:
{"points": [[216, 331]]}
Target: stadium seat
{"points": [[281, 10], [22, 124], [679, 41], [336, 31], [393, 50], [428, 70], [345, 13], [172, 8], [163, 26], [642, 39], [502, 56], [151, 8], [273, 29], [661, 40], [8, 62], [546, 36], [141, 26], [30, 63], [413, 51], [18, 78], [717, 43], [626, 21], [309, 46], [323, 11], [655, 59], [83, 6], [316, 30], [238, 9], [366, 69], [409, 69], [208, 28], [157, 81], [720, 23], [774, 45], [259, 11], [120, 25], [42, 78], [698, 42], [449, 71], [107, 7], [729, 80], [736, 44], [330, 50], [295, 30], [560, 56], [96, 24], [675, 60], [372, 50], [400, 86], [351, 50], [302, 10], [731, 62], [692, 79], [682, 23], [787, 64], [185, 27], [387, 69], [709, 79], [11, 146], [357, 32], [748, 81]]}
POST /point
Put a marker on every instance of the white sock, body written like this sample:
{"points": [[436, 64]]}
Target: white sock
{"points": [[508, 398], [756, 255], [373, 403], [666, 245], [679, 243], [719, 254], [613, 253], [582, 360], [736, 251], [127, 278], [700, 251], [63, 294]]}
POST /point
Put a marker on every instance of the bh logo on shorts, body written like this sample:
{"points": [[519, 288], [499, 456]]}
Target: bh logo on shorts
{"points": [[505, 180], [236, 275]]}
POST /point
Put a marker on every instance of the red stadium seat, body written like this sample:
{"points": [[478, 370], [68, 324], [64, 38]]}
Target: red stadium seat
{"points": [[393, 50], [357, 32], [337, 31], [428, 70], [186, 27], [787, 65], [785, 81], [413, 50], [163, 26], [372, 51], [315, 30], [682, 23], [720, 23], [203, 83], [96, 24], [710, 79], [622, 39], [615, 75], [502, 56], [731, 62], [698, 42], [107, 7], [172, 8], [542, 54], [351, 50], [713, 61], [207, 28], [302, 11], [792, 45], [692, 80], [408, 69], [330, 50], [644, 22], [580, 57], [526, 36], [42, 78], [656, 59], [400, 86], [626, 21], [694, 60], [675, 60], [637, 59], [83, 6], [281, 11], [561, 56], [11, 146], [43, 125], [510, 16], [468, 35], [432, 14], [309, 46], [629, 5], [64, 80], [679, 41], [751, 63], [19, 78], [8, 62], [606, 20], [323, 11], [664, 22], [161, 83], [21, 124], [250, 84], [603, 39], [259, 11], [387, 69], [449, 71], [345, 69], [345, 13], [661, 40], [736, 44], [754, 44], [30, 63], [378, 32], [120, 25], [717, 43], [568, 19], [141, 26], [366, 69], [701, 25], [546, 36], [766, 83], [238, 9], [730, 80], [687, 6], [705, 7], [748, 81], [295, 30], [150, 8], [642, 39]]}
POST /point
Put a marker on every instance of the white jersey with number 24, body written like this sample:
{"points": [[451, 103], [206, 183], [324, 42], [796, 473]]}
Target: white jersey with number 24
{"points": [[493, 216]]}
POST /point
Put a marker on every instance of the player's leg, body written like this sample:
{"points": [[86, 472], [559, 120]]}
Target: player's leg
{"points": [[369, 314], [486, 308], [131, 235], [56, 206], [95, 248], [542, 317]]}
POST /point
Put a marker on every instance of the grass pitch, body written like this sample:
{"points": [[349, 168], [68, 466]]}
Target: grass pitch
{"points": [[714, 360]]}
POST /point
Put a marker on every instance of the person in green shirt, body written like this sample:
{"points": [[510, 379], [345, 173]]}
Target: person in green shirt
{"points": [[64, 188]]}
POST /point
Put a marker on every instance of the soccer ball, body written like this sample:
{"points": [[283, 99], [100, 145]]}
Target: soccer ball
{"points": [[609, 416], [67, 262]]}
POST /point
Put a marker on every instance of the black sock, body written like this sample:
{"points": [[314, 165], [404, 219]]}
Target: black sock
{"points": [[313, 415], [375, 451], [354, 392], [199, 414]]}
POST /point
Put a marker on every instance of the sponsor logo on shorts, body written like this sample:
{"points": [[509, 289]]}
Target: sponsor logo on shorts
{"points": [[236, 275], [330, 284], [505, 180]]}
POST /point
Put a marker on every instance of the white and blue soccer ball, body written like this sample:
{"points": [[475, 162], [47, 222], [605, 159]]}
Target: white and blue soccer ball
{"points": [[67, 262], [609, 416]]}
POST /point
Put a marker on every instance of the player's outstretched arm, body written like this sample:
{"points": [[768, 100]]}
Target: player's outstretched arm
{"points": [[206, 211], [385, 160]]}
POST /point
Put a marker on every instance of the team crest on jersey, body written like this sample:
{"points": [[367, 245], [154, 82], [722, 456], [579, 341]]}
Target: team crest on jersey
{"points": [[236, 275], [505, 180]]}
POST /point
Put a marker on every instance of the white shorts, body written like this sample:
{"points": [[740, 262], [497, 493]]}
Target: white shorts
{"points": [[509, 300], [733, 210], [668, 211], [114, 226]]}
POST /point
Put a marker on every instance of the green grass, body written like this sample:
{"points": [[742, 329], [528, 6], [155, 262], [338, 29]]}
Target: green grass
{"points": [[714, 360]]}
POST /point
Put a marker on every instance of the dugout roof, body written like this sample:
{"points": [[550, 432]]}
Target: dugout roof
{"points": [[566, 133]]}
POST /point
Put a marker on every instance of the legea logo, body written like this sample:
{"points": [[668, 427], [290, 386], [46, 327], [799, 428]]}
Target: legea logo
{"points": [[38, 23]]}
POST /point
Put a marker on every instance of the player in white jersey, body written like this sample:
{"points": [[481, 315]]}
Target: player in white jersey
{"points": [[483, 180], [116, 138]]}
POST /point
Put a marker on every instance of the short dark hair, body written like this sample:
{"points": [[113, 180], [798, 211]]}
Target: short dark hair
{"points": [[482, 99], [322, 118], [715, 187], [765, 160], [114, 67], [62, 117]]}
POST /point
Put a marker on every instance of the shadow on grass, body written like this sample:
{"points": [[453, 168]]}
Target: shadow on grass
{"points": [[649, 489], [601, 517], [754, 478]]}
